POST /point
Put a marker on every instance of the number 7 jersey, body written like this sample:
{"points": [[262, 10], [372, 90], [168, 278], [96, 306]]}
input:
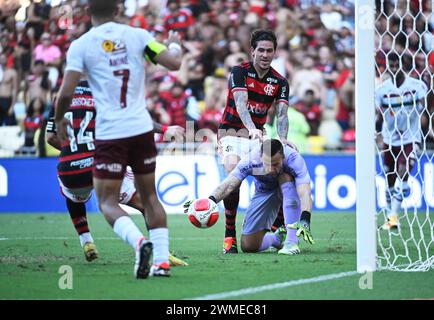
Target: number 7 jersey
{"points": [[76, 155], [112, 55]]}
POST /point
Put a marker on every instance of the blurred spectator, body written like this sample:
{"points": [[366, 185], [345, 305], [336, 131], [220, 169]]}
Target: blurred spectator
{"points": [[32, 123], [51, 55], [8, 92], [37, 85], [315, 41], [344, 40], [176, 18], [215, 100], [139, 18], [307, 78], [122, 16], [175, 103], [298, 128], [37, 13], [236, 56], [192, 71], [330, 130], [349, 136], [309, 107]]}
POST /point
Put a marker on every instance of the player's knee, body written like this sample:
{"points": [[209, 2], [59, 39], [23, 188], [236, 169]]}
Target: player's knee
{"points": [[106, 206], [248, 246]]}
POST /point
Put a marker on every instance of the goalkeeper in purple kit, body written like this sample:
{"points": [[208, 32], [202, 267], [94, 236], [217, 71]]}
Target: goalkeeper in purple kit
{"points": [[280, 174]]}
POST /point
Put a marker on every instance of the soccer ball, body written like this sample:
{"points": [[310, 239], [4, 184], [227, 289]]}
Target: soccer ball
{"points": [[203, 213]]}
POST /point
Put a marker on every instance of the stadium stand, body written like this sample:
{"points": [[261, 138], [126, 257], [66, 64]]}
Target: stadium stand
{"points": [[315, 52]]}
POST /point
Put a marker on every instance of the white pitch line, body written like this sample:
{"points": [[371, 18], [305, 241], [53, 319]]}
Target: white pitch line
{"points": [[116, 238], [274, 286]]}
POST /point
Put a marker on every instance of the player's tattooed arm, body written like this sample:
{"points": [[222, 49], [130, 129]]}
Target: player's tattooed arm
{"points": [[282, 120], [63, 101], [230, 184], [241, 98]]}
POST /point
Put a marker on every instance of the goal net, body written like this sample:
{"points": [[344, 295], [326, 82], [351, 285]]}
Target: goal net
{"points": [[404, 134]]}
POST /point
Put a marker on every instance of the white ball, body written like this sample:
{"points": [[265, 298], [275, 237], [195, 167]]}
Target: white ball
{"points": [[203, 213]]}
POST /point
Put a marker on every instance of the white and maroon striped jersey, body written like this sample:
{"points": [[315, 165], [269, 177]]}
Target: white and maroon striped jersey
{"points": [[401, 109]]}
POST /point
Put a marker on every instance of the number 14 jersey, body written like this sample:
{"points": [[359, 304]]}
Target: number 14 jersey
{"points": [[76, 155]]}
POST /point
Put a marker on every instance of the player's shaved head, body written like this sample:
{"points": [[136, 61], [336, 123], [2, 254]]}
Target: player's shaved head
{"points": [[271, 147], [102, 8]]}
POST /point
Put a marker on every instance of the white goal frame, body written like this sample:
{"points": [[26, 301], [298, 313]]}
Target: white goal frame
{"points": [[366, 239]]}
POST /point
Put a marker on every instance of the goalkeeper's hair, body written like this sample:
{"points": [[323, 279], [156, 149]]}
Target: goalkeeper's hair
{"points": [[262, 35], [103, 8], [271, 147]]}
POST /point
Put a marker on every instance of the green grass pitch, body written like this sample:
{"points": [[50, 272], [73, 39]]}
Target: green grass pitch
{"points": [[34, 246]]}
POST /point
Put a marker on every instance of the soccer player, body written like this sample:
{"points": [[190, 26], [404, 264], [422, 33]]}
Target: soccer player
{"points": [[400, 101], [280, 174], [75, 166], [112, 56], [253, 87]]}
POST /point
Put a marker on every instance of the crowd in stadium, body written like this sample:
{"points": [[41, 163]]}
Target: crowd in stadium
{"points": [[406, 28], [315, 53]]}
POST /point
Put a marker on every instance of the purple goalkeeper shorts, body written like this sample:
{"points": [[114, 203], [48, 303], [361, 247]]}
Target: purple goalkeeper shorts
{"points": [[262, 211]]}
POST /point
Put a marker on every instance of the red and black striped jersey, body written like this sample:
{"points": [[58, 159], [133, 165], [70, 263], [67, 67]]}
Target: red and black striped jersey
{"points": [[76, 155], [273, 87]]}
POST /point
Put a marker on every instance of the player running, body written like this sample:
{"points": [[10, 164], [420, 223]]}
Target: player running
{"points": [[280, 174], [400, 100], [253, 87], [75, 166], [112, 56]]}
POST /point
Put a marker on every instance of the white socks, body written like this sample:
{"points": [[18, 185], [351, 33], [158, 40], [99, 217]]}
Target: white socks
{"points": [[125, 228], [85, 237], [160, 240], [128, 231]]}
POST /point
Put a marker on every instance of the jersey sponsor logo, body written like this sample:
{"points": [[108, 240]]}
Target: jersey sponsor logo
{"points": [[83, 163], [251, 75], [150, 160], [252, 85], [283, 92], [272, 80], [111, 167], [82, 101], [256, 108], [115, 46], [269, 90]]}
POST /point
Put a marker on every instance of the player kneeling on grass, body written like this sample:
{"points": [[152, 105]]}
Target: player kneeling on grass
{"points": [[280, 174]]}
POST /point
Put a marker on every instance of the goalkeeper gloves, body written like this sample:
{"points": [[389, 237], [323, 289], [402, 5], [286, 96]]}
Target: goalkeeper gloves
{"points": [[303, 227]]}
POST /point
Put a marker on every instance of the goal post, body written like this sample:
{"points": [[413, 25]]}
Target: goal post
{"points": [[366, 242], [394, 164]]}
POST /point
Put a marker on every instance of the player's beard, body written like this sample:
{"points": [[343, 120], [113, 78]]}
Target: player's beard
{"points": [[262, 65]]}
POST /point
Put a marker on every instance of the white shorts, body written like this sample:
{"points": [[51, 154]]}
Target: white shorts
{"points": [[128, 190], [239, 146], [76, 195]]}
